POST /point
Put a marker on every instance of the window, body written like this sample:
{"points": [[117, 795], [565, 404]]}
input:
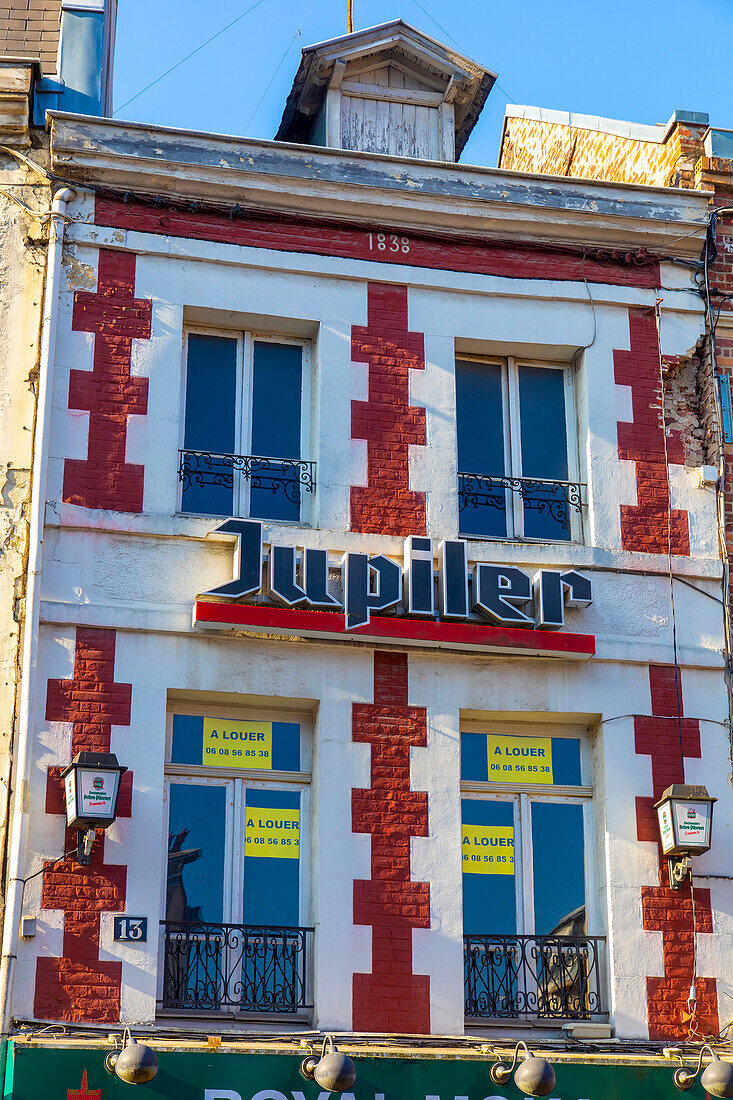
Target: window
{"points": [[236, 902], [245, 426], [517, 464], [527, 873]]}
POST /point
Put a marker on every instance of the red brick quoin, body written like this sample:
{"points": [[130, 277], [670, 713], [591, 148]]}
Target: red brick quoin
{"points": [[665, 910], [391, 998], [644, 526], [387, 421], [108, 392], [78, 986]]}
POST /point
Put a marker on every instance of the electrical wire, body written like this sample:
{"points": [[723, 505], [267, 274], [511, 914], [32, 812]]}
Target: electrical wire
{"points": [[675, 654], [186, 58], [456, 44], [278, 66]]}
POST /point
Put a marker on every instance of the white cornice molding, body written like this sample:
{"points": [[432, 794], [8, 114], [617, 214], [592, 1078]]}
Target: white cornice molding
{"points": [[370, 188]]}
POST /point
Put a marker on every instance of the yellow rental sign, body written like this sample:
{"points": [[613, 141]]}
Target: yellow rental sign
{"points": [[237, 744], [488, 849], [519, 759], [274, 834]]}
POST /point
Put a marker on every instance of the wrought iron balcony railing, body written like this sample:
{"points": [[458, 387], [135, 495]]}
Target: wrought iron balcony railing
{"points": [[287, 476], [534, 977], [556, 498], [235, 967]]}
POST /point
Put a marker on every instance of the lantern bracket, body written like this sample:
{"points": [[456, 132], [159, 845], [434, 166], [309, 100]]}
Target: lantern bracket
{"points": [[84, 843], [678, 871]]}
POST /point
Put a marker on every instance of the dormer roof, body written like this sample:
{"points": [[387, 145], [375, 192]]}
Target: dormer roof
{"points": [[462, 82]]}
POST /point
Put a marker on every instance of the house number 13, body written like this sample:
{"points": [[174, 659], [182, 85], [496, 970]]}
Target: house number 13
{"points": [[133, 929]]}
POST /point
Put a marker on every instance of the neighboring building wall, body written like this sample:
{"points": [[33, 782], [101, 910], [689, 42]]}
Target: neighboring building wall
{"points": [[22, 271], [533, 141]]}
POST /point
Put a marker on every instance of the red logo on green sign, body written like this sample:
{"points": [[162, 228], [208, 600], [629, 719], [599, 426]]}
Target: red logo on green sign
{"points": [[98, 783]]}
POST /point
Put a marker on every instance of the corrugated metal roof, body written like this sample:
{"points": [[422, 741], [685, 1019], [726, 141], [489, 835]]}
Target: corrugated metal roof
{"points": [[30, 28]]}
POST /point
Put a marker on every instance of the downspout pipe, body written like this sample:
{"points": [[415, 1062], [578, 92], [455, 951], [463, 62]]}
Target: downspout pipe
{"points": [[23, 754]]}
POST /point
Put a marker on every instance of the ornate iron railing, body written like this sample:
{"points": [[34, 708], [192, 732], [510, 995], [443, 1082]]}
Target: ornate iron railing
{"points": [[555, 497], [242, 967], [289, 476], [526, 977]]}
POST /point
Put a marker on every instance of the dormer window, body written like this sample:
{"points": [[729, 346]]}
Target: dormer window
{"points": [[390, 90]]}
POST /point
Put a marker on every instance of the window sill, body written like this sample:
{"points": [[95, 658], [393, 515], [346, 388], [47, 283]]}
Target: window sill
{"points": [[192, 1018], [577, 1029], [518, 540]]}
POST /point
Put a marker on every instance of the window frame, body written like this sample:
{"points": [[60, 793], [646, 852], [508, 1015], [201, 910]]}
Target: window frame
{"points": [[511, 420], [235, 780], [522, 795], [246, 340]]}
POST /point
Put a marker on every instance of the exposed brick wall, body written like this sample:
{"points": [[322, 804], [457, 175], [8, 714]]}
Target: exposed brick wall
{"points": [[668, 739], [684, 387], [109, 393], [557, 149], [511, 260], [391, 998], [387, 421], [78, 986], [645, 525]]}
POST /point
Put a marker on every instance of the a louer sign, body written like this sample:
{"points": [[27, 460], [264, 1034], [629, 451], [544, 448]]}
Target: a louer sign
{"points": [[484, 606]]}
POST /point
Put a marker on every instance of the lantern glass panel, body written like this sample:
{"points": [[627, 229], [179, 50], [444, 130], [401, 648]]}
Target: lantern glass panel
{"points": [[93, 797], [692, 823]]}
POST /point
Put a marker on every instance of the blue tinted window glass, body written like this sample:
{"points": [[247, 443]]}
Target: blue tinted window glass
{"points": [[277, 385], [474, 760], [480, 431], [489, 901], [187, 739], [286, 746], [211, 382], [544, 449], [196, 837], [271, 885], [566, 761], [558, 868]]}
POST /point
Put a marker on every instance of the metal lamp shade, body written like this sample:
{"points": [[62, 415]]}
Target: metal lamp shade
{"points": [[91, 788], [685, 815], [717, 1078]]}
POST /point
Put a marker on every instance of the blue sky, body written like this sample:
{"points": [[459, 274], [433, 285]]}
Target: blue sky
{"points": [[629, 59]]}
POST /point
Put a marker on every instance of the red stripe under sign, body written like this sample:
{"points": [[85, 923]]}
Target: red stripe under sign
{"points": [[423, 632]]}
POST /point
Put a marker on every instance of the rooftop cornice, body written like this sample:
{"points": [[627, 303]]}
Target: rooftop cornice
{"points": [[371, 189]]}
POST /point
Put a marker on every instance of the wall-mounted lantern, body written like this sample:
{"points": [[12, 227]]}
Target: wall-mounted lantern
{"points": [[685, 826], [717, 1077], [333, 1071], [92, 787], [535, 1076]]}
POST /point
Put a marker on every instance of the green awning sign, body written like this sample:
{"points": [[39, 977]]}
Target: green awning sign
{"points": [[78, 1073]]}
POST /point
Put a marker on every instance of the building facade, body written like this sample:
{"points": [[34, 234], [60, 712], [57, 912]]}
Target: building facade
{"points": [[372, 550]]}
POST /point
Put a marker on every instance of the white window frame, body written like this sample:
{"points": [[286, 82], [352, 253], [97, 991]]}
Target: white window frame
{"points": [[246, 341], [235, 780], [513, 443], [522, 795]]}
